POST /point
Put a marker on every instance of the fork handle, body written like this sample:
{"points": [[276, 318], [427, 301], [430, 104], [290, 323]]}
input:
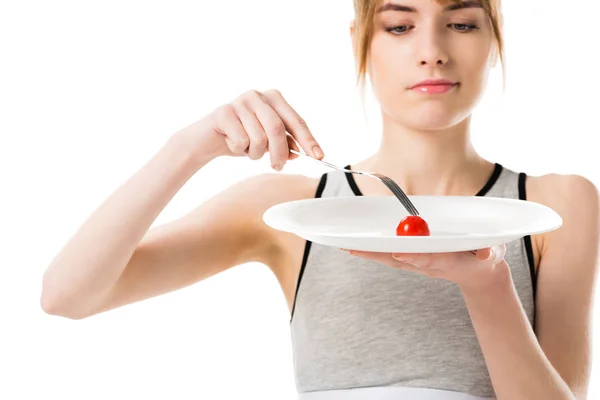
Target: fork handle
{"points": [[320, 161]]}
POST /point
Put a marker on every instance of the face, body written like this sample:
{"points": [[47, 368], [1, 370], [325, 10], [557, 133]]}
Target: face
{"points": [[416, 41]]}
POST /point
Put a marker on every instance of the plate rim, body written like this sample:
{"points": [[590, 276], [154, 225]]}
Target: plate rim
{"points": [[269, 218]]}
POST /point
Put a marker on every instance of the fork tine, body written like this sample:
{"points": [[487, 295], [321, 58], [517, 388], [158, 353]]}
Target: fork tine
{"points": [[391, 187], [399, 193], [411, 207], [407, 200]]}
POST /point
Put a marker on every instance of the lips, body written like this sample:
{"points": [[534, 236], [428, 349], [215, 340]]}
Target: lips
{"points": [[434, 86]]}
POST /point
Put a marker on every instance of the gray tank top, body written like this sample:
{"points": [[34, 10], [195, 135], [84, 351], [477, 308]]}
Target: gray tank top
{"points": [[359, 324]]}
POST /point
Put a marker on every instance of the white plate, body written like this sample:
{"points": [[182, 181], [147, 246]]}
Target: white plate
{"points": [[368, 223]]}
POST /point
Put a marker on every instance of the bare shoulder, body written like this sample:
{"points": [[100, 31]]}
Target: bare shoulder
{"points": [[576, 199], [263, 191], [273, 188], [254, 195], [259, 192], [570, 194]]}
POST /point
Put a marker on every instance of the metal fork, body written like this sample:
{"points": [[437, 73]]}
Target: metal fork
{"points": [[393, 186]]}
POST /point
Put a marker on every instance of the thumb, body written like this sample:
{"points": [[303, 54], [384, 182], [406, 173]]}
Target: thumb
{"points": [[492, 255]]}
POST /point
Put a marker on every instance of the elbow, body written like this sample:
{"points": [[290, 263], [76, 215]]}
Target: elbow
{"points": [[53, 307], [54, 303]]}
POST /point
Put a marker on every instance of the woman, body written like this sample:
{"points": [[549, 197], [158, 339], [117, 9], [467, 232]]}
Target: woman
{"points": [[511, 322]]}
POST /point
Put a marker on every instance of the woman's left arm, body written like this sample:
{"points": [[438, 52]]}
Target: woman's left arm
{"points": [[556, 364]]}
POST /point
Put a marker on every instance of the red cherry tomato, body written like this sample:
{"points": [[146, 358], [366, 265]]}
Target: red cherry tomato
{"points": [[412, 225]]}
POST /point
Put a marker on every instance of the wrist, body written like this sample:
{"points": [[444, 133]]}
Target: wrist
{"points": [[191, 151], [183, 153], [498, 281]]}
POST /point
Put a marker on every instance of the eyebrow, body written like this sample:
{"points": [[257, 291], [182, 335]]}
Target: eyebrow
{"points": [[451, 7]]}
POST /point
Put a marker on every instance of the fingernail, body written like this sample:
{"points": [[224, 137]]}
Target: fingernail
{"points": [[492, 254], [317, 151], [498, 253], [277, 167], [398, 258]]}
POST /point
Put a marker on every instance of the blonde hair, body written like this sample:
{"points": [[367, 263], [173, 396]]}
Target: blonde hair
{"points": [[364, 11]]}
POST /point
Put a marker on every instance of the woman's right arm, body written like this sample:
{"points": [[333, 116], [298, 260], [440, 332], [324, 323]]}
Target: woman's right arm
{"points": [[115, 260]]}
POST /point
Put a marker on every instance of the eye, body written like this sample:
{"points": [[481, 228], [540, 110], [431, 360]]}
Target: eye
{"points": [[399, 30], [463, 27]]}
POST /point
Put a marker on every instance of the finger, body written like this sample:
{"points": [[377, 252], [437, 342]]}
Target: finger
{"points": [[501, 252], [387, 259], [483, 254], [294, 124], [252, 106], [278, 144], [273, 128], [384, 258], [421, 260], [292, 145], [254, 131], [430, 260], [498, 253], [492, 255], [231, 127]]}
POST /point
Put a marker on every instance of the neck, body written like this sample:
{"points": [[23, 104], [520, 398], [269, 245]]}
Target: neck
{"points": [[441, 162]]}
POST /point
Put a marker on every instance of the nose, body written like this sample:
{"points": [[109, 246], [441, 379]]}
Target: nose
{"points": [[431, 51], [435, 60]]}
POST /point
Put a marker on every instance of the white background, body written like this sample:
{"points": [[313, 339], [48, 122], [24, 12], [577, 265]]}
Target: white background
{"points": [[90, 90]]}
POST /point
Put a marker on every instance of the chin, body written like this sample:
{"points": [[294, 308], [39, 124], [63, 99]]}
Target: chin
{"points": [[431, 116]]}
